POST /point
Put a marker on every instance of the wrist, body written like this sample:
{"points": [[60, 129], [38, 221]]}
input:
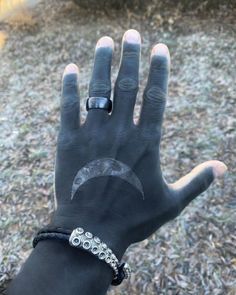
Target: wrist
{"points": [[56, 268], [74, 263], [106, 232]]}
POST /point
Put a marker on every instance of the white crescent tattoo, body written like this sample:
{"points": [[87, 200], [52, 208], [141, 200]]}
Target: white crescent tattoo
{"points": [[105, 167]]}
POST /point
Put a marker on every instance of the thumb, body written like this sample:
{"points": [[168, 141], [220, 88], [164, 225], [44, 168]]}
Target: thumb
{"points": [[197, 181]]}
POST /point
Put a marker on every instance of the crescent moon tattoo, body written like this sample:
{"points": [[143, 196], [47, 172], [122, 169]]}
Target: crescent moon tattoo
{"points": [[105, 167]]}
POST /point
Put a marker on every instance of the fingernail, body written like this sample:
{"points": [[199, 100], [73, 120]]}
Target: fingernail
{"points": [[160, 49], [132, 36], [71, 69], [105, 42], [219, 169]]}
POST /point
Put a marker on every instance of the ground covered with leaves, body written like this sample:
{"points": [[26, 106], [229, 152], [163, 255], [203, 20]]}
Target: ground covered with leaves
{"points": [[195, 253]]}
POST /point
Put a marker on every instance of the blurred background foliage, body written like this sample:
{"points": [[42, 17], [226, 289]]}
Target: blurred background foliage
{"points": [[7, 6], [140, 4]]}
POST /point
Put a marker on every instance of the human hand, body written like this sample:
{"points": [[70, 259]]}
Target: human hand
{"points": [[108, 177]]}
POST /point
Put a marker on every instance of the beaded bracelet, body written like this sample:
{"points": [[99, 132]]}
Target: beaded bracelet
{"points": [[79, 238]]}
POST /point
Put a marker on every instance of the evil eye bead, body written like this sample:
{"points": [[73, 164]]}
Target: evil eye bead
{"points": [[86, 244], [75, 241], [95, 250], [102, 255], [97, 240], [108, 259], [104, 246], [113, 257], [80, 230], [88, 235], [127, 270]]}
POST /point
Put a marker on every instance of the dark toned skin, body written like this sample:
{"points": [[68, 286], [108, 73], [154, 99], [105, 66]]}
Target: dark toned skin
{"points": [[108, 206]]}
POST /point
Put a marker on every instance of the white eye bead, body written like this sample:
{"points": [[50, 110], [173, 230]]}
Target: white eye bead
{"points": [[75, 241], [86, 244], [88, 235], [97, 240], [80, 230], [102, 255]]}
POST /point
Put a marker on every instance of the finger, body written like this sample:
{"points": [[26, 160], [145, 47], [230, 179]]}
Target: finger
{"points": [[126, 86], [70, 108], [197, 181], [100, 84], [154, 98]]}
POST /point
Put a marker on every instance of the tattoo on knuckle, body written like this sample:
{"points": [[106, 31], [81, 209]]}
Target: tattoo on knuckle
{"points": [[103, 56], [69, 104], [100, 87], [155, 96], [70, 83], [159, 63], [130, 55], [128, 84]]}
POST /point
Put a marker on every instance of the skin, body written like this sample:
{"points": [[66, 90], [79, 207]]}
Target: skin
{"points": [[120, 216]]}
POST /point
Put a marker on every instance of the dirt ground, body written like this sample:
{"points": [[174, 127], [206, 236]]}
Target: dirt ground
{"points": [[195, 253]]}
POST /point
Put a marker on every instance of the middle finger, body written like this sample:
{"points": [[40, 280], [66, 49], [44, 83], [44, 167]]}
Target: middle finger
{"points": [[126, 86]]}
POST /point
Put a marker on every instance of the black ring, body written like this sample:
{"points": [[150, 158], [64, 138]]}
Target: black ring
{"points": [[103, 103]]}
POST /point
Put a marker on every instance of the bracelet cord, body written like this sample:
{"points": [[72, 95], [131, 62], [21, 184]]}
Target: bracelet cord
{"points": [[121, 270]]}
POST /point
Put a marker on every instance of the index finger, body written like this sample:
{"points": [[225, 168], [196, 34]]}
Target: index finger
{"points": [[70, 106]]}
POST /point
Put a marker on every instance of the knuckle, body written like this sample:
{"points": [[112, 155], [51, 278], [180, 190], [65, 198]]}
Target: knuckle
{"points": [[64, 139], [69, 105], [70, 82], [100, 87], [130, 54], [156, 97], [70, 85], [152, 135], [70, 94], [128, 84], [160, 63], [103, 56]]}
